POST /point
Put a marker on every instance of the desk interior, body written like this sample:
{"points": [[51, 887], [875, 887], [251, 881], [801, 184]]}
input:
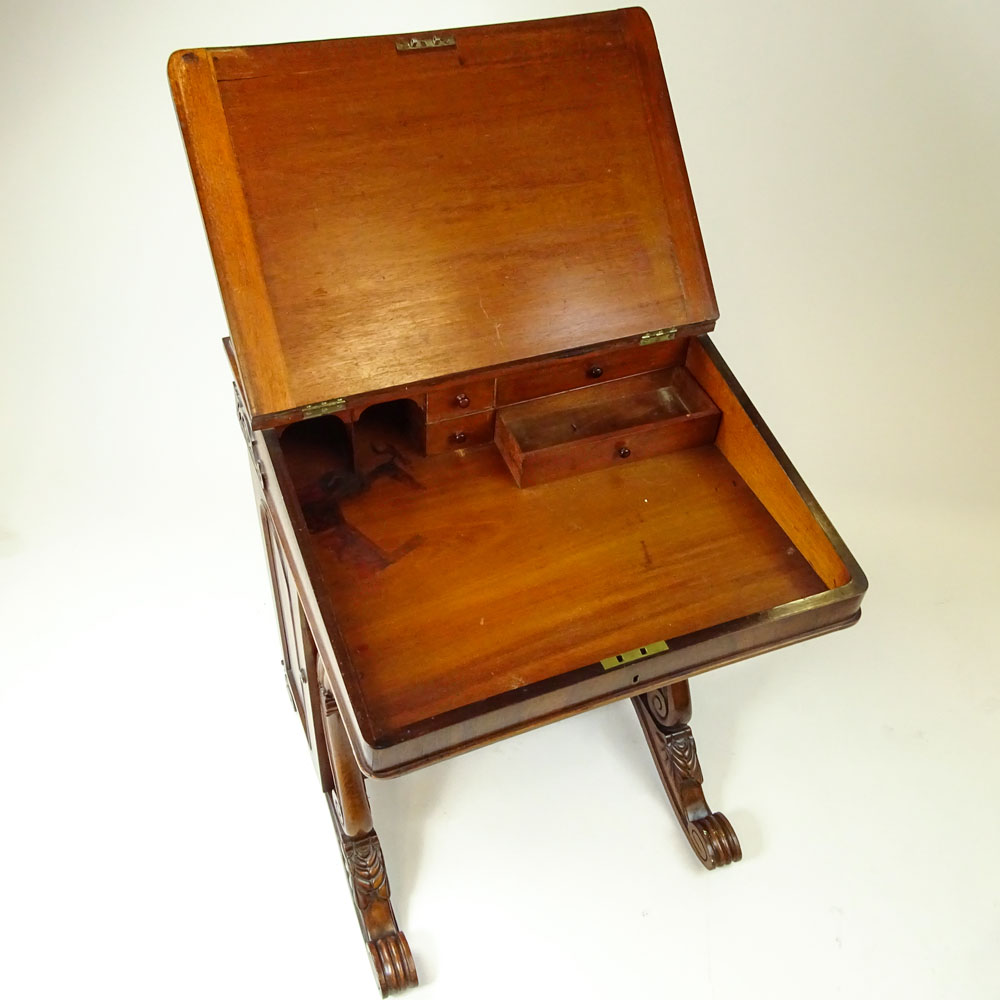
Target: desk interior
{"points": [[452, 585]]}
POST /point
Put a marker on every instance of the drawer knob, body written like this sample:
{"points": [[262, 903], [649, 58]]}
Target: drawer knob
{"points": [[624, 451], [595, 371], [462, 400], [458, 437]]}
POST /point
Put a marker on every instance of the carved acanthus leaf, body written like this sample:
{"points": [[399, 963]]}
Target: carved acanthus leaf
{"points": [[682, 753], [366, 868]]}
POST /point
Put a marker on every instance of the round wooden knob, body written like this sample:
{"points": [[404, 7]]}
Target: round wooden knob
{"points": [[595, 371], [458, 437], [624, 451], [462, 400]]}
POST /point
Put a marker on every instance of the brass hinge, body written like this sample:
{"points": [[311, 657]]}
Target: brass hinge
{"points": [[321, 409], [610, 662], [417, 44], [657, 336]]}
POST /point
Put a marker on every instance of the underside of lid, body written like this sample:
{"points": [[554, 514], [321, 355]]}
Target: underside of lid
{"points": [[386, 211]]}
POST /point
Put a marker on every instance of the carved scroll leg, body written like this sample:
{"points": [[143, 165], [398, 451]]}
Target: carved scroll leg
{"points": [[664, 716], [362, 853]]}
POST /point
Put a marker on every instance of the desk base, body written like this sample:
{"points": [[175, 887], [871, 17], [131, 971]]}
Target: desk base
{"points": [[664, 715]]}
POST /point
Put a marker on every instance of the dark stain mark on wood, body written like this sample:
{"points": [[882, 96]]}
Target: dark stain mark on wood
{"points": [[321, 506], [646, 557]]}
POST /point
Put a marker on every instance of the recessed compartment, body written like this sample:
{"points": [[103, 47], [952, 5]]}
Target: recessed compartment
{"points": [[623, 421]]}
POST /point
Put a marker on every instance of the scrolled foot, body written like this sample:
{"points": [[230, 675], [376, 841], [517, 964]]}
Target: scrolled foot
{"points": [[391, 958], [393, 963], [664, 715], [714, 841]]}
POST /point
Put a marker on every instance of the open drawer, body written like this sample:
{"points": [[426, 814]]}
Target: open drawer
{"points": [[594, 427]]}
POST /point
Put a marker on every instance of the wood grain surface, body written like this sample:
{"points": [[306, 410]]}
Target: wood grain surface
{"points": [[421, 214], [258, 350], [740, 440], [452, 585]]}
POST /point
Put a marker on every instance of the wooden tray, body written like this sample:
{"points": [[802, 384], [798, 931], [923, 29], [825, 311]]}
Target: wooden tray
{"points": [[626, 420]]}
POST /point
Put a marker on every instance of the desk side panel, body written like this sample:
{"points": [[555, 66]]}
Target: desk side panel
{"points": [[292, 536]]}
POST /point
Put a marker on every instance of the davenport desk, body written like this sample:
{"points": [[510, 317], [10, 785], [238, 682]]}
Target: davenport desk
{"points": [[503, 474]]}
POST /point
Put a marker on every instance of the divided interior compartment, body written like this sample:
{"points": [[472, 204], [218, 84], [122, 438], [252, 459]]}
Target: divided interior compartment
{"points": [[451, 585], [591, 428]]}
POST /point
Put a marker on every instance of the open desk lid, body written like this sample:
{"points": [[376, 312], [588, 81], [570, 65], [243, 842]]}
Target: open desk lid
{"points": [[388, 210]]}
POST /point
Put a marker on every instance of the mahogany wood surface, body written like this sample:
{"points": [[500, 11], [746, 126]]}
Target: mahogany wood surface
{"points": [[451, 585], [230, 231], [308, 522], [381, 218]]}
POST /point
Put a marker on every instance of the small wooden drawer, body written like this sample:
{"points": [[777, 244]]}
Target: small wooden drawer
{"points": [[587, 429], [465, 432], [587, 369], [446, 403]]}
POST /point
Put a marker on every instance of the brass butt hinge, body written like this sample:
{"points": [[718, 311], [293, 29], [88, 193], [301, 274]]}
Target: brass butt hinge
{"points": [[419, 44], [657, 336], [321, 409], [610, 662]]}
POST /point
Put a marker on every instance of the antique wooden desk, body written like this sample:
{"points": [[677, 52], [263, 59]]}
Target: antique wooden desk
{"points": [[503, 475]]}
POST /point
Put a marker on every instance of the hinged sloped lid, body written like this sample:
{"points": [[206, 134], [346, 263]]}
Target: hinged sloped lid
{"points": [[389, 210]]}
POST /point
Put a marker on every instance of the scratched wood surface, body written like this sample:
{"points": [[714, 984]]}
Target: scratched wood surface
{"points": [[420, 214], [452, 585]]}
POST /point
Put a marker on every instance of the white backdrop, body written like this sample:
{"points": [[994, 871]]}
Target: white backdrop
{"points": [[161, 831]]}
